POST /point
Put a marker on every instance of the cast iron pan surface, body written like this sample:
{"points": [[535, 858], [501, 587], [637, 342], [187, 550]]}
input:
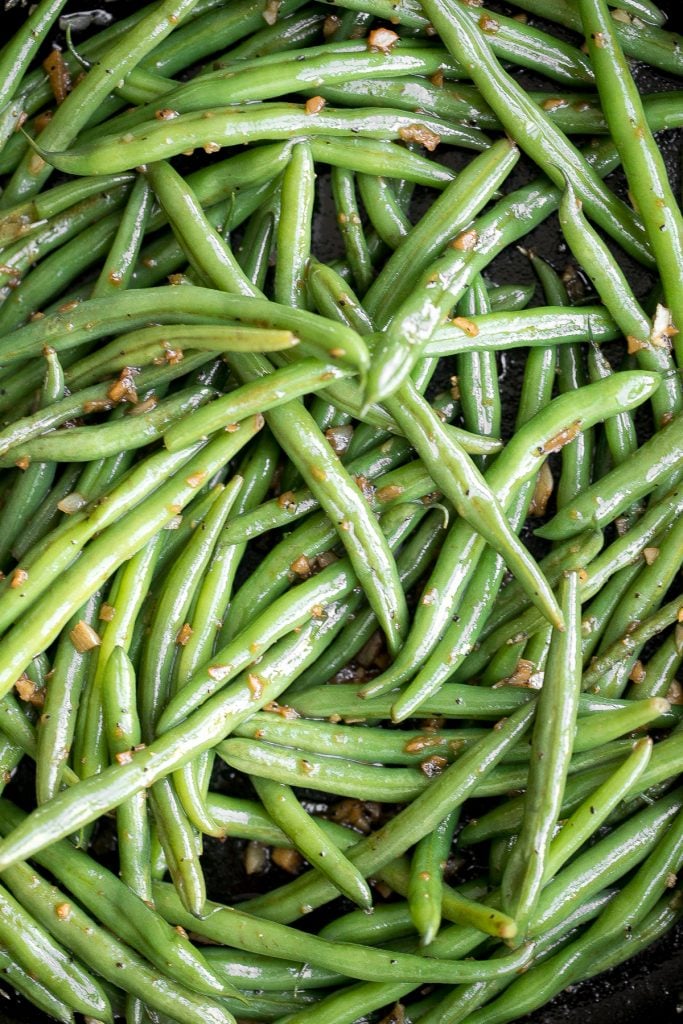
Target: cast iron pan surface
{"points": [[648, 985]]}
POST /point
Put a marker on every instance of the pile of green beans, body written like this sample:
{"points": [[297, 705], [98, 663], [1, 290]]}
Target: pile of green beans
{"points": [[327, 551]]}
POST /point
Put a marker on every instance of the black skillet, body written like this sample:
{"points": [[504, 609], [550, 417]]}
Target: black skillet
{"points": [[650, 984]]}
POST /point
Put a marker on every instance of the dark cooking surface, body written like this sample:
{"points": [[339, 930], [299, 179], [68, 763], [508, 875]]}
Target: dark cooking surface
{"points": [[649, 984]]}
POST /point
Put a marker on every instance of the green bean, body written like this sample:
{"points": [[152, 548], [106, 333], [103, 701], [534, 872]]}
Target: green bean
{"points": [[35, 481], [294, 227], [529, 126], [110, 957], [660, 670], [181, 843], [426, 878], [37, 952], [300, 378], [355, 961], [330, 775], [118, 269], [47, 513], [412, 561], [311, 841], [588, 818], [655, 460], [172, 608], [383, 209], [184, 213], [468, 701], [469, 493], [656, 47], [528, 328], [351, 228], [365, 155], [110, 900], [443, 794], [31, 988], [217, 27], [54, 231], [625, 911], [550, 753], [620, 430], [54, 733], [478, 374], [209, 608], [122, 730], [18, 52], [502, 821], [509, 298], [179, 745], [573, 113], [273, 575], [103, 558], [457, 1005], [288, 33], [643, 163], [611, 285], [84, 444], [147, 142], [515, 465]]}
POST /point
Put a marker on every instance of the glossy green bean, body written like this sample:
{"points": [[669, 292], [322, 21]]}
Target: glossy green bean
{"points": [[284, 384], [18, 52], [588, 818], [55, 729], [286, 811], [113, 959], [41, 995], [502, 821], [467, 489], [383, 209], [426, 878], [149, 142], [357, 961], [297, 195], [656, 47], [122, 730], [643, 163], [84, 444], [443, 794], [656, 460], [516, 465], [551, 746], [104, 557], [468, 701], [362, 155]]}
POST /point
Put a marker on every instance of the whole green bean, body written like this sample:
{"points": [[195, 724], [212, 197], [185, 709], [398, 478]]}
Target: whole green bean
{"points": [[286, 811]]}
